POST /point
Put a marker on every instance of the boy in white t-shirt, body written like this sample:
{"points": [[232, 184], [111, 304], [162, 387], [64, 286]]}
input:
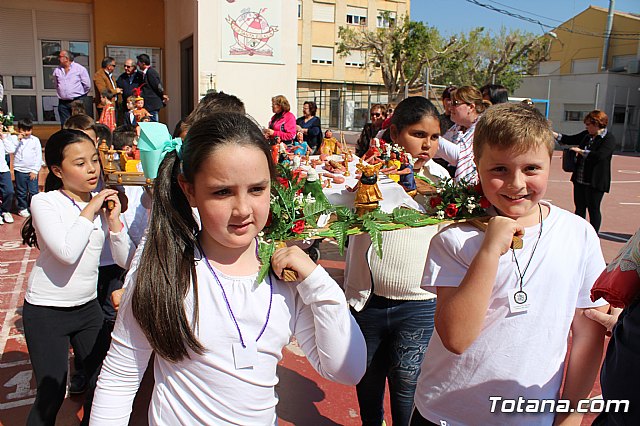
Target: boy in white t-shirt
{"points": [[503, 316]]}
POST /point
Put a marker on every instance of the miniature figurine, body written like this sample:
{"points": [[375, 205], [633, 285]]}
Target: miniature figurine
{"points": [[140, 113], [330, 145], [367, 192], [300, 147], [407, 180], [372, 156], [392, 166]]}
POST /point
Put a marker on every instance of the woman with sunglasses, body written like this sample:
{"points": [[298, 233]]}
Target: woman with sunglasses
{"points": [[456, 147], [370, 130], [592, 175]]}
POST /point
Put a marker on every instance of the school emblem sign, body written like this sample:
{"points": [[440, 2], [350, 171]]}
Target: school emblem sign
{"points": [[249, 33], [252, 33]]}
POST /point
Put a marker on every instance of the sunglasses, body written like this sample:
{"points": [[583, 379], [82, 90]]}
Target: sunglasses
{"points": [[376, 114], [456, 103], [129, 66]]}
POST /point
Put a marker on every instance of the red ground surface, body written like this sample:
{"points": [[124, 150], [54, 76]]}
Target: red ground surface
{"points": [[306, 398]]}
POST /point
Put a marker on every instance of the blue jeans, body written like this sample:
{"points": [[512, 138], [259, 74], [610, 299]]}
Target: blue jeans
{"points": [[154, 115], [25, 189], [397, 333], [6, 192]]}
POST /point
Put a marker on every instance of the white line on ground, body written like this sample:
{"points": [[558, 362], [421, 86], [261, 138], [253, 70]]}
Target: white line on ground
{"points": [[630, 204], [6, 326], [14, 364], [19, 403], [613, 237]]}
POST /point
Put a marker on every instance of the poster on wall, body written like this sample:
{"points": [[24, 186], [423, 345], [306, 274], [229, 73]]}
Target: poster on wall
{"points": [[251, 31]]}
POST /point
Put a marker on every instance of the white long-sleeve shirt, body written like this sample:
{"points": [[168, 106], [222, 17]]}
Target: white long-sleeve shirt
{"points": [[66, 272], [5, 148], [456, 147], [27, 153], [208, 389]]}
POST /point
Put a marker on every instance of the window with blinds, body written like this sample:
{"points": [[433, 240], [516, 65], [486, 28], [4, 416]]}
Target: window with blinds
{"points": [[321, 55], [356, 15], [324, 12], [355, 59]]}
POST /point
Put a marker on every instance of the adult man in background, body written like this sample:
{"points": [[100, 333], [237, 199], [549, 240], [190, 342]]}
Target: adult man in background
{"points": [[103, 80], [72, 83], [152, 90], [130, 79]]}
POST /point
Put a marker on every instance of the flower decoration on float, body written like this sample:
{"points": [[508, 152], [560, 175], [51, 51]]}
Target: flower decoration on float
{"points": [[458, 201]]}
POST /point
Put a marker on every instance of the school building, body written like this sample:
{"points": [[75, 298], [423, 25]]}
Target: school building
{"points": [[589, 70], [254, 49]]}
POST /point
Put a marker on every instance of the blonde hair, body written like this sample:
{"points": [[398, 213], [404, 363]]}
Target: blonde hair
{"points": [[515, 127], [282, 101], [470, 95]]}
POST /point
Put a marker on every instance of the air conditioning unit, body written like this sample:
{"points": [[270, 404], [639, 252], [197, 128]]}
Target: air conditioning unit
{"points": [[633, 67]]}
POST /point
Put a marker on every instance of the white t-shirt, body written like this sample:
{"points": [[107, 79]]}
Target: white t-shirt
{"points": [[515, 354], [208, 389], [66, 272]]}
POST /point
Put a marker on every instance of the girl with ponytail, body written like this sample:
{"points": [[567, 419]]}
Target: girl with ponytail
{"points": [[194, 299]]}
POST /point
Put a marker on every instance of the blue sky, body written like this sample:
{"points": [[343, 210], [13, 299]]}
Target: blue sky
{"points": [[454, 16]]}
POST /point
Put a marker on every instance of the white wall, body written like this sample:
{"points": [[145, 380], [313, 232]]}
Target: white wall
{"points": [[180, 23], [255, 84], [609, 88]]}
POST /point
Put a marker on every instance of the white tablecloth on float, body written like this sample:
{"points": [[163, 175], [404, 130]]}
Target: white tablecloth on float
{"points": [[393, 194]]}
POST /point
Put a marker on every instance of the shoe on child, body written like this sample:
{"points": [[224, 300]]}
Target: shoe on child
{"points": [[6, 216], [24, 213]]}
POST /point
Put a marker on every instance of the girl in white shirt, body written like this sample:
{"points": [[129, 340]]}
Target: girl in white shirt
{"points": [[69, 225], [195, 301]]}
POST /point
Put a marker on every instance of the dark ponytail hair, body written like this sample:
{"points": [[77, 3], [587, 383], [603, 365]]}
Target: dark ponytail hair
{"points": [[53, 155], [411, 110], [167, 265]]}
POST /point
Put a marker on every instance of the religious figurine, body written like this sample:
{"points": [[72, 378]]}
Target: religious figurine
{"points": [[330, 145], [372, 156], [392, 166], [367, 192], [407, 180], [300, 147]]}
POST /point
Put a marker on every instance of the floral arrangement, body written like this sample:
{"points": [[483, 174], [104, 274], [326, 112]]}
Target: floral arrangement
{"points": [[457, 201], [6, 119]]}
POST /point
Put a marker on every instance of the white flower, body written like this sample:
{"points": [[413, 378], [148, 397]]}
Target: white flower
{"points": [[323, 220], [310, 199], [440, 214], [471, 198]]}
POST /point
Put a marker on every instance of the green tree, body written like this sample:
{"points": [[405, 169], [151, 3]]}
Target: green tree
{"points": [[485, 57], [404, 51], [401, 52]]}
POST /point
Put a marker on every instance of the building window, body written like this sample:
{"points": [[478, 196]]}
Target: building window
{"points": [[385, 19], [50, 108], [622, 61], [584, 66], [299, 9], [22, 82], [323, 12], [575, 115], [24, 107], [356, 15], [355, 59], [299, 54], [619, 114], [321, 55]]}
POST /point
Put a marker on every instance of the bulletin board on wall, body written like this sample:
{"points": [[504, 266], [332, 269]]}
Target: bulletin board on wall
{"points": [[122, 53]]}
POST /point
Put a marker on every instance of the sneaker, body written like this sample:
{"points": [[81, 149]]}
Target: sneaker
{"points": [[6, 216], [78, 383], [24, 213], [1, 221]]}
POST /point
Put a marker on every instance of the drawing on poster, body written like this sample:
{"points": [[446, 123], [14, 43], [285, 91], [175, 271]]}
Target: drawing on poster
{"points": [[252, 33]]}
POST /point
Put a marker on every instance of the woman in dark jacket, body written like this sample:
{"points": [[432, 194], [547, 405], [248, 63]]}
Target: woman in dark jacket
{"points": [[592, 175], [309, 125]]}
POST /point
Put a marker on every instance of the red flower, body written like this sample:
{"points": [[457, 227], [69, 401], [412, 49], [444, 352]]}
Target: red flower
{"points": [[478, 189], [296, 175], [451, 210], [484, 203], [282, 181], [435, 201], [298, 227]]}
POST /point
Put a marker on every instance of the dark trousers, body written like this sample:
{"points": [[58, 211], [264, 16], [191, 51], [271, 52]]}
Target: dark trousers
{"points": [[6, 192], [418, 420], [64, 108], [49, 331], [397, 333], [25, 189], [586, 198], [154, 115]]}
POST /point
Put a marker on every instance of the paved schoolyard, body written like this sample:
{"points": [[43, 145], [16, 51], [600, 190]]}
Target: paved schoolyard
{"points": [[306, 399]]}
